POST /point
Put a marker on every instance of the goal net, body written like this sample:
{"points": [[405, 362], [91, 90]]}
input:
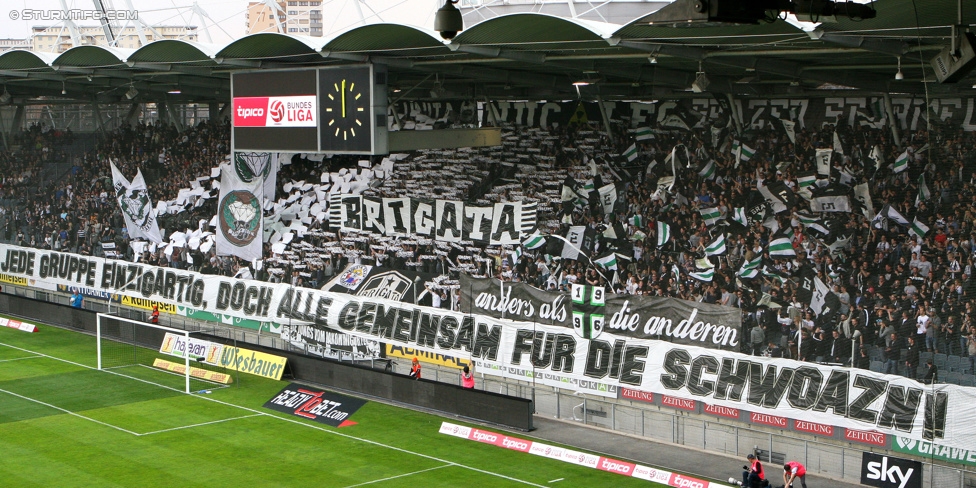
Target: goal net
{"points": [[169, 357]]}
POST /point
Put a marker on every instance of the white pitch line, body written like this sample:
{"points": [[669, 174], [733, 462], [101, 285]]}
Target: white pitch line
{"points": [[404, 475], [555, 480], [18, 359], [69, 412], [297, 422], [198, 425]]}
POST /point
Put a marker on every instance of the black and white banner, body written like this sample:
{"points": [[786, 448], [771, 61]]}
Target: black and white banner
{"points": [[760, 113], [642, 317], [443, 220], [555, 355]]}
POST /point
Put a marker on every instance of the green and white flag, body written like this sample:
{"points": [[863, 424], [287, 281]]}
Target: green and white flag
{"points": [[806, 219], [806, 180], [607, 262], [781, 247], [704, 263], [745, 152], [918, 228], [708, 172], [773, 273], [923, 190], [750, 269], [631, 152], [663, 233], [703, 275], [534, 241], [710, 215], [644, 134], [901, 163], [739, 215], [516, 255], [717, 247], [589, 186], [636, 221]]}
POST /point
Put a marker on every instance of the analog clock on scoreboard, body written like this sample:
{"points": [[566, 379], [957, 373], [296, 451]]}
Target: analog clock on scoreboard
{"points": [[352, 104]]}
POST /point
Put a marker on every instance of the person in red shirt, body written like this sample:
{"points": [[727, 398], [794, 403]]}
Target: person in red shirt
{"points": [[752, 474], [415, 369], [793, 470], [467, 378], [154, 318]]}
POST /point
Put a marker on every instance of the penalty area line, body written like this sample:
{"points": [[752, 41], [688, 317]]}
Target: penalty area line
{"points": [[404, 475], [199, 425], [69, 412], [18, 359]]}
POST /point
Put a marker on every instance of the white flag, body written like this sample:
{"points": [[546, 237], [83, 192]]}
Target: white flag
{"points": [[239, 219], [823, 161], [137, 208]]}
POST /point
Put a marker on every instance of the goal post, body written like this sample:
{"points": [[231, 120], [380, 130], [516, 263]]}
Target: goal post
{"points": [[123, 342]]}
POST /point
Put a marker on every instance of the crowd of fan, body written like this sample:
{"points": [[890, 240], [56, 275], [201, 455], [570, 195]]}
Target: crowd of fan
{"points": [[896, 292]]}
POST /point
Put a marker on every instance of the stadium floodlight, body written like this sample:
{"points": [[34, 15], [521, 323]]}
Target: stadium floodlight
{"points": [[131, 93], [6, 97], [123, 342]]}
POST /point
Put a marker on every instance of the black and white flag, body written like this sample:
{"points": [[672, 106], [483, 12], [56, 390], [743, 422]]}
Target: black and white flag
{"points": [[136, 206]]}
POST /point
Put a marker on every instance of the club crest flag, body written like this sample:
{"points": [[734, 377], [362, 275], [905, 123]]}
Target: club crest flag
{"points": [[258, 165], [137, 208], [239, 218]]}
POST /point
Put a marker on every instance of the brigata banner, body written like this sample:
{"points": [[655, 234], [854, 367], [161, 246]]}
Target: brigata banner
{"points": [[590, 360], [442, 220], [641, 317]]}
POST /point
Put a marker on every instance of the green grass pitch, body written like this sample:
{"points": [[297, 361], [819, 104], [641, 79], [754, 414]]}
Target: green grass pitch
{"points": [[65, 424]]}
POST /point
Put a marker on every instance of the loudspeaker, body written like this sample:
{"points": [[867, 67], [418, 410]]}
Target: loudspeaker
{"points": [[949, 68]]}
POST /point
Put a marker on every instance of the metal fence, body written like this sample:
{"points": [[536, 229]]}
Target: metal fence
{"points": [[838, 460]]}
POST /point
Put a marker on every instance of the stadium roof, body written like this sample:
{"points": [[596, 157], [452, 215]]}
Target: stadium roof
{"points": [[531, 56]]}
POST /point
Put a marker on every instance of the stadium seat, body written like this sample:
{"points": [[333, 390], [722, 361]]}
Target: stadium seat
{"points": [[876, 366], [940, 360], [925, 356], [954, 363], [920, 371]]}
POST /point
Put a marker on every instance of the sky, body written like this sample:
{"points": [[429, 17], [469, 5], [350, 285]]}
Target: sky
{"points": [[227, 15]]}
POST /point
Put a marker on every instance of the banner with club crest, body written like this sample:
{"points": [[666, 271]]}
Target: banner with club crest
{"points": [[239, 212], [136, 206]]}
